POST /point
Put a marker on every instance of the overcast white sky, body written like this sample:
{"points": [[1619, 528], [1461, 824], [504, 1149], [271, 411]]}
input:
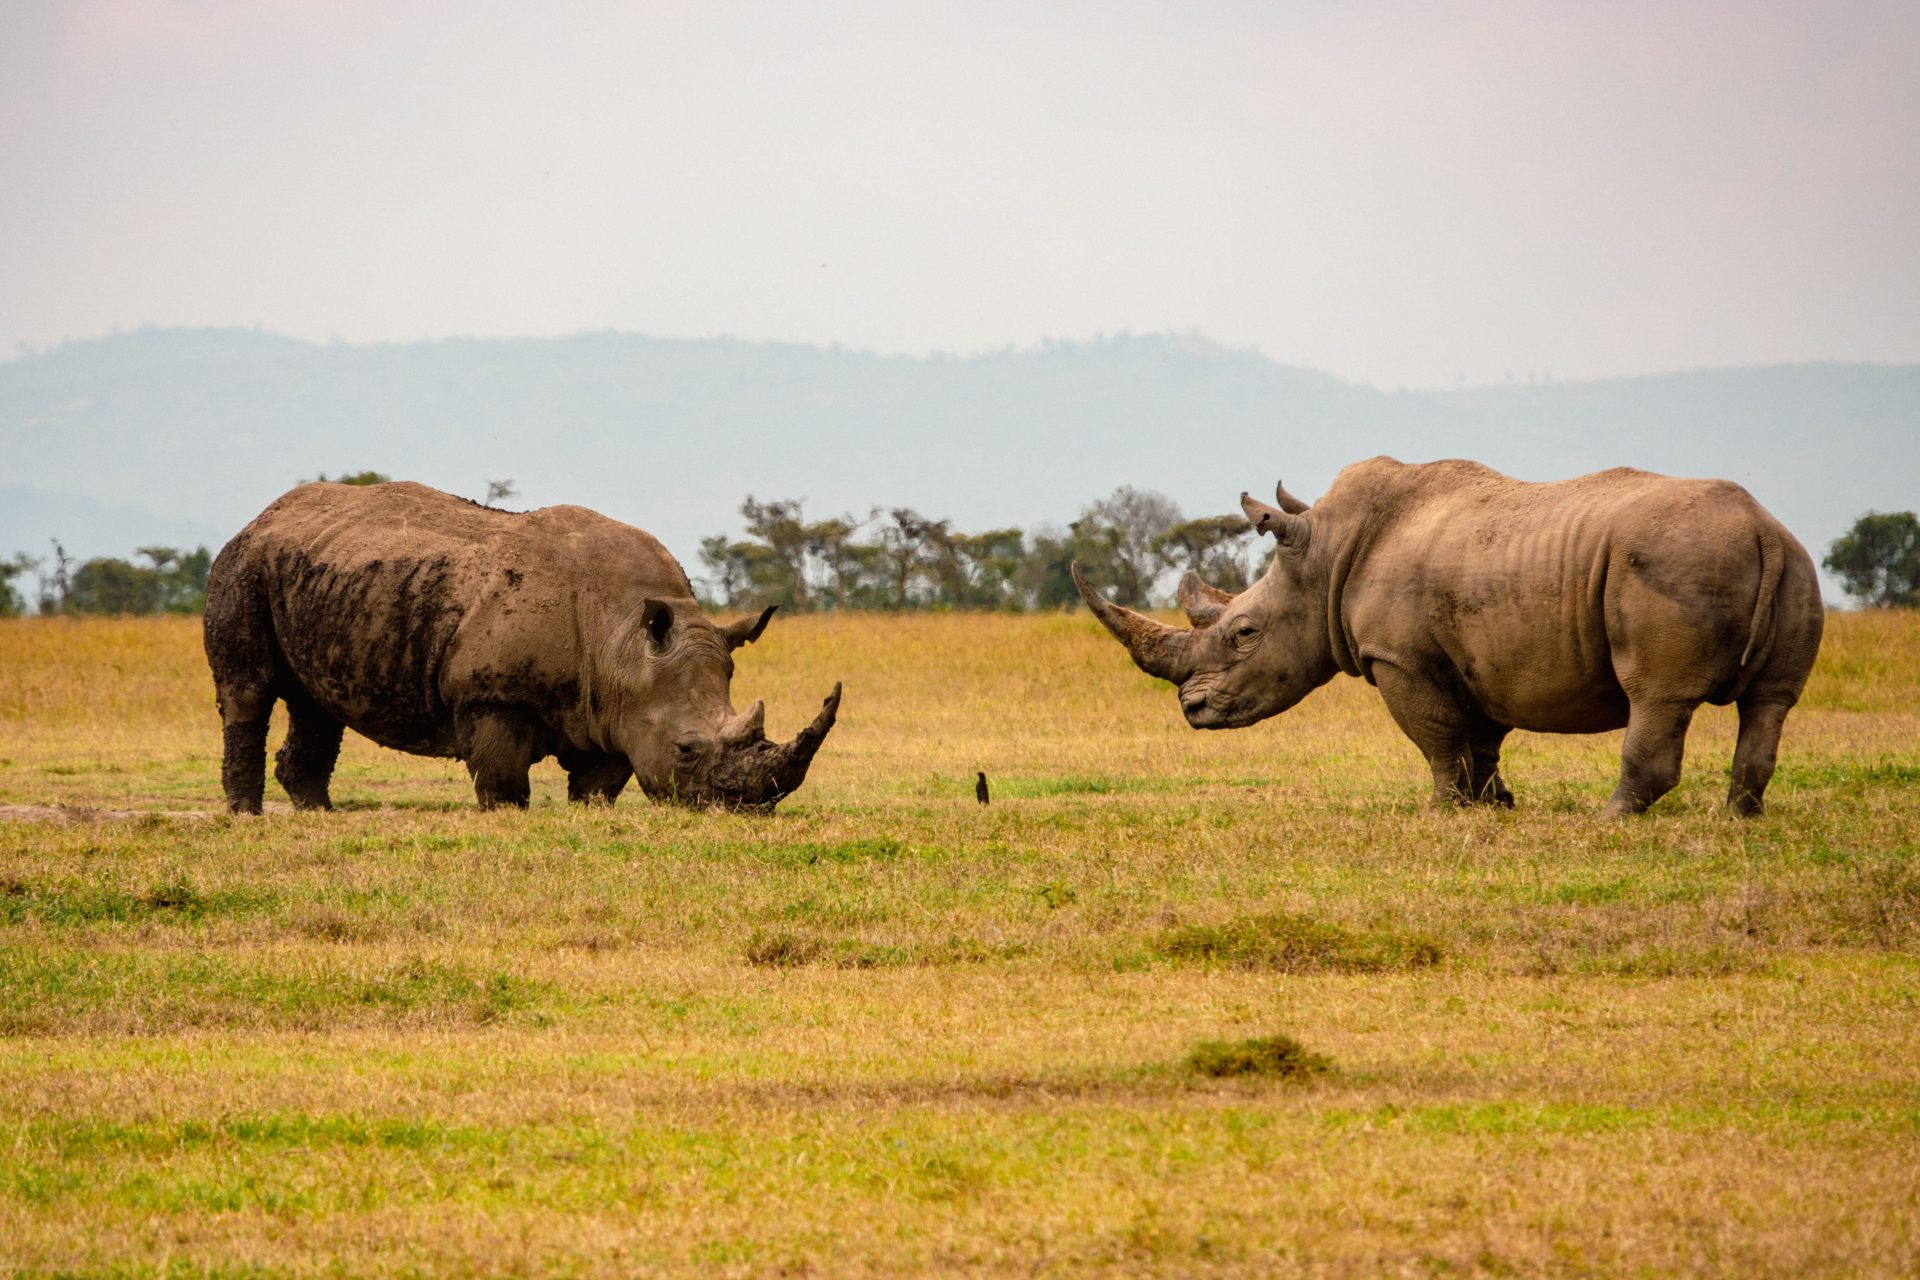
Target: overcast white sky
{"points": [[1400, 193]]}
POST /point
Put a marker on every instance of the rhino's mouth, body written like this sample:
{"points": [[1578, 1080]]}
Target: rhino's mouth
{"points": [[1206, 706]]}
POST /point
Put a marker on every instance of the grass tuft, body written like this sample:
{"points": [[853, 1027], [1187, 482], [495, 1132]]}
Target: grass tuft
{"points": [[1287, 943], [781, 950], [1280, 1056]]}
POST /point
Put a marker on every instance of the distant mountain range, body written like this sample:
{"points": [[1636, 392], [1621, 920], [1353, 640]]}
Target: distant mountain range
{"points": [[180, 436]]}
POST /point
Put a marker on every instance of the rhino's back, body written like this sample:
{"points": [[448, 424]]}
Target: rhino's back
{"points": [[384, 598], [1549, 600]]}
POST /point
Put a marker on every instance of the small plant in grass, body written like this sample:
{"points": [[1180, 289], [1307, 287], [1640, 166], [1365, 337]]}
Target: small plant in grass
{"points": [[1280, 1056]]}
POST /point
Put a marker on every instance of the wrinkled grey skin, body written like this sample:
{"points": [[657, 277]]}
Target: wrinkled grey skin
{"points": [[1479, 604], [436, 626]]}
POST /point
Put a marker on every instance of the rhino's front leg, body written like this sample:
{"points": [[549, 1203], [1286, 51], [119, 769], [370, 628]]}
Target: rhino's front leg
{"points": [[1436, 722], [499, 745], [594, 778]]}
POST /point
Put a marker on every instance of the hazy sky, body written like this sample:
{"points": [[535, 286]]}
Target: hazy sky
{"points": [[1397, 193]]}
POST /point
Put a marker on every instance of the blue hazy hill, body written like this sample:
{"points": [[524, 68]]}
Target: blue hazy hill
{"points": [[193, 431]]}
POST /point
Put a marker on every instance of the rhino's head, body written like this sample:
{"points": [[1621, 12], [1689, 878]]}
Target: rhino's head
{"points": [[680, 731], [1247, 656]]}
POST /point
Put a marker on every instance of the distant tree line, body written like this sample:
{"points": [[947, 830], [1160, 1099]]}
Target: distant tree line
{"points": [[171, 580], [898, 558]]}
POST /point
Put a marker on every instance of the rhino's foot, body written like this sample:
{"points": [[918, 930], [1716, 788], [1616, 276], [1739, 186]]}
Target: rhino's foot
{"points": [[1623, 805]]}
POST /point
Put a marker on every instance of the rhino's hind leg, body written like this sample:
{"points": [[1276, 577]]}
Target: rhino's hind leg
{"points": [[595, 778], [244, 715], [305, 763], [1761, 720], [500, 744], [237, 630], [1650, 760], [1484, 738]]}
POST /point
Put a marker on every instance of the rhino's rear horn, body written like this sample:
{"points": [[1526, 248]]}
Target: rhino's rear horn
{"points": [[1157, 649], [1288, 503], [1202, 601], [749, 726]]}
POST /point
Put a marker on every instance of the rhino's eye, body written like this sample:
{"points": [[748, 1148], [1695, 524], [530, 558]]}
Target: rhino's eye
{"points": [[687, 748]]}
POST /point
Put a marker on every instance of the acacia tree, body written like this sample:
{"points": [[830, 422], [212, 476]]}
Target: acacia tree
{"points": [[1878, 560], [172, 581], [989, 564], [1116, 541], [777, 523], [745, 573], [913, 549], [12, 604], [1212, 546], [1043, 579], [827, 541]]}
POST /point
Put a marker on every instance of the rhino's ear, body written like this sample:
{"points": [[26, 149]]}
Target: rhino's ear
{"points": [[1288, 503], [1289, 530], [656, 615], [746, 630]]}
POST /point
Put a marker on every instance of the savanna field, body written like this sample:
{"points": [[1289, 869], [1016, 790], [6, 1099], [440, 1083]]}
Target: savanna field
{"points": [[889, 1032]]}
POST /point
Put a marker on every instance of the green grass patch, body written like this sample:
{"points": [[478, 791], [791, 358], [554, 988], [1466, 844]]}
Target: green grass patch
{"points": [[173, 900]]}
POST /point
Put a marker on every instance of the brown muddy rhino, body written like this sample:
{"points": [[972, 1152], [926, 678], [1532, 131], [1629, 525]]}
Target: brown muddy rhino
{"points": [[437, 626], [1479, 604]]}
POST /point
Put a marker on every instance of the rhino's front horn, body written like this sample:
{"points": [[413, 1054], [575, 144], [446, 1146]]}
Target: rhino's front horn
{"points": [[749, 726], [1202, 600], [795, 756], [1157, 649]]}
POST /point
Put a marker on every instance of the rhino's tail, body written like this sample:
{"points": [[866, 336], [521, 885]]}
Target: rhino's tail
{"points": [[1773, 560]]}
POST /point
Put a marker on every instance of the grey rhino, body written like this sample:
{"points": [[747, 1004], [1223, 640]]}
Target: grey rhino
{"points": [[1479, 604], [436, 626]]}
